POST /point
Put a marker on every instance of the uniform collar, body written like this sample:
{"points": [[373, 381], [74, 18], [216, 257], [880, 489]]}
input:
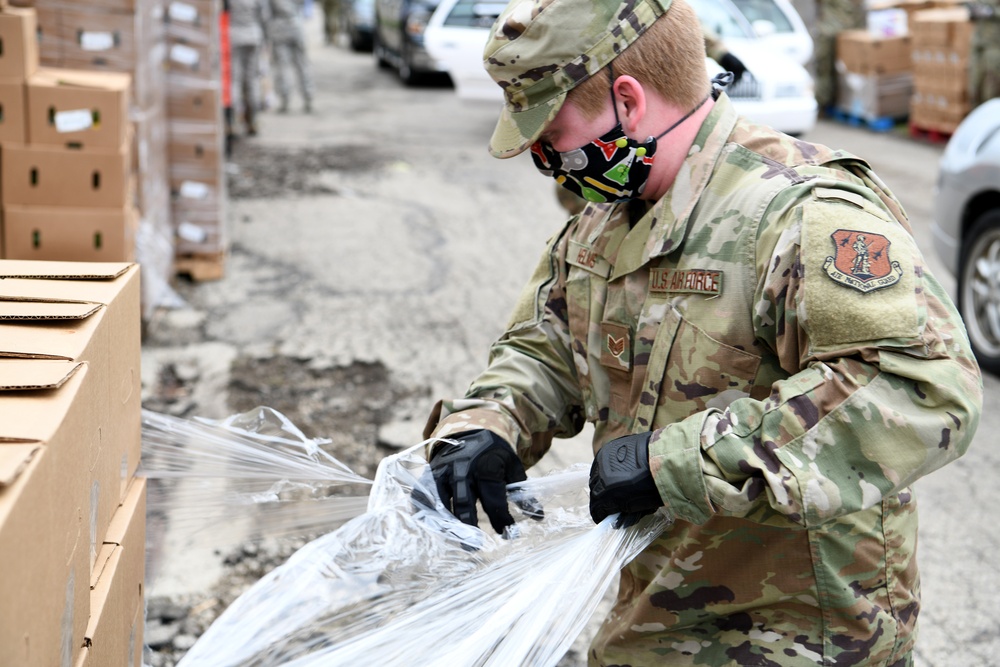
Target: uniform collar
{"points": [[663, 228]]}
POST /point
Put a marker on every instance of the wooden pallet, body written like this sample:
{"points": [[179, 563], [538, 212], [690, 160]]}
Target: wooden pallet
{"points": [[201, 267], [936, 135]]}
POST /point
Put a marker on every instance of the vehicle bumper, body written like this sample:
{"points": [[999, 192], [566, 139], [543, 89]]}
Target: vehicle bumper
{"points": [[793, 115], [422, 61]]}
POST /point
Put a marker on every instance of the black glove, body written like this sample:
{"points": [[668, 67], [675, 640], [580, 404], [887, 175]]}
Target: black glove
{"points": [[620, 481], [480, 466], [731, 63]]}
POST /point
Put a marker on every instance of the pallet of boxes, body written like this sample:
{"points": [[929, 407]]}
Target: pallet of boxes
{"points": [[126, 36], [874, 70], [65, 155], [196, 137], [942, 40], [72, 510]]}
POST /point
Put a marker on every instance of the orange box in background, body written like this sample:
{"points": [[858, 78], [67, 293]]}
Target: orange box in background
{"points": [[18, 45], [77, 108], [70, 234], [13, 123]]}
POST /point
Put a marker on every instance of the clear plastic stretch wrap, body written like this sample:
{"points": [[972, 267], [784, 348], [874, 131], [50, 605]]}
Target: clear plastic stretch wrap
{"points": [[404, 582]]}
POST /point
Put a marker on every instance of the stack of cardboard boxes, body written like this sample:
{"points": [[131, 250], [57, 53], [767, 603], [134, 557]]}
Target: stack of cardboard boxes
{"points": [[126, 36], [874, 75], [72, 512], [196, 136], [941, 47]]}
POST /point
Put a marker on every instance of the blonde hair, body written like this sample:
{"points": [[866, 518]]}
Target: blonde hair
{"points": [[669, 58]]}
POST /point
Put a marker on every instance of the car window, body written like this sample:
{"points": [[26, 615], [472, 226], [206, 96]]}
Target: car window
{"points": [[718, 18], [474, 13], [756, 10]]}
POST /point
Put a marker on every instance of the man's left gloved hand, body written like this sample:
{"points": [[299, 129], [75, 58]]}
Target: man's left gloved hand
{"points": [[620, 481], [731, 63], [479, 466]]}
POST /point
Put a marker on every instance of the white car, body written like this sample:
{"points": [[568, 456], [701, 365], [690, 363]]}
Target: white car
{"points": [[779, 24], [775, 91]]}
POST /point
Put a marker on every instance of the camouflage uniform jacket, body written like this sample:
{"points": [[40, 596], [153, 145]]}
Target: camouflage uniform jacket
{"points": [[246, 22], [772, 321], [286, 21]]}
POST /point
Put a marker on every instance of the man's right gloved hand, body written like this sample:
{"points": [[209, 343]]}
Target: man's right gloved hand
{"points": [[479, 465]]}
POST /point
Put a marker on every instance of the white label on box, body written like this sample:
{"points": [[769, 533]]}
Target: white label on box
{"points": [[183, 54], [181, 11], [97, 41], [194, 190], [191, 232], [74, 121]]}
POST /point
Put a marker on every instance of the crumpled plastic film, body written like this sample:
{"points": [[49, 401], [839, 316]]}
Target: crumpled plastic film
{"points": [[251, 475], [406, 583]]}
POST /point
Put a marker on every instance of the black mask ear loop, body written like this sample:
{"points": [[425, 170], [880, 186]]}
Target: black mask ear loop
{"points": [[719, 80]]}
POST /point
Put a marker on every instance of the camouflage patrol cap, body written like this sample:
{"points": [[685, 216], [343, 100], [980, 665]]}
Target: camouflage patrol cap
{"points": [[539, 50]]}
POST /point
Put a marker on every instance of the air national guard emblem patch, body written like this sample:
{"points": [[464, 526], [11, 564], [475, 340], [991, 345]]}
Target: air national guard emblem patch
{"points": [[861, 260]]}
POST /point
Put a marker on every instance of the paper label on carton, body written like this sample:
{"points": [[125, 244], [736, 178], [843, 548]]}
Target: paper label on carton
{"points": [[191, 232], [183, 54], [96, 41], [193, 190], [74, 120], [181, 11]]}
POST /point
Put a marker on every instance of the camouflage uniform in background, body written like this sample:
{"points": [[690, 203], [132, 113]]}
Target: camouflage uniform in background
{"points": [[794, 394], [289, 48], [984, 61], [247, 19], [331, 19], [832, 17]]}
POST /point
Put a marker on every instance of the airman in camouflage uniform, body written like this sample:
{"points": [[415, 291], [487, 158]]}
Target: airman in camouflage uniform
{"points": [[984, 61], [832, 18], [791, 395]]}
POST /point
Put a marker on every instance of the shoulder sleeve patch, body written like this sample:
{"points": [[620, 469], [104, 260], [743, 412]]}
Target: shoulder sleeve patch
{"points": [[860, 283]]}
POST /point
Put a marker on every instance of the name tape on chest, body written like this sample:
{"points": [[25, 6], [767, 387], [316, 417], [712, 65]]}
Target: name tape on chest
{"points": [[582, 256], [686, 281]]}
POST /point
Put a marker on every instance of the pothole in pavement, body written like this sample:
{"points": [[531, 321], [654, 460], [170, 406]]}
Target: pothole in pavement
{"points": [[268, 171]]}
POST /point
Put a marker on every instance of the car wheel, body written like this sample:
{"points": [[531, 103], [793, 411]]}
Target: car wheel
{"points": [[406, 72], [979, 289], [379, 52]]}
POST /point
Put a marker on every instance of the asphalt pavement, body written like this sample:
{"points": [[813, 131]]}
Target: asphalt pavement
{"points": [[413, 252]]}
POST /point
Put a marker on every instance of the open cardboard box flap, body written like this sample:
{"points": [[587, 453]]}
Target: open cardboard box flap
{"points": [[13, 308], [34, 375], [14, 458], [54, 76], [10, 268]]}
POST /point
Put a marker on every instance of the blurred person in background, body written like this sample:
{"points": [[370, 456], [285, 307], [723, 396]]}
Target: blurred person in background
{"points": [[247, 25], [331, 20], [745, 375], [984, 60], [832, 18], [288, 45]]}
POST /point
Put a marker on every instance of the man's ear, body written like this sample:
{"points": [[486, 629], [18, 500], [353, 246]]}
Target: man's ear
{"points": [[631, 101]]}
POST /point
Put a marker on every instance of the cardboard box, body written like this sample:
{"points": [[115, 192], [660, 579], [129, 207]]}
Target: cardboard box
{"points": [[54, 176], [98, 39], [78, 109], [872, 97], [18, 45], [13, 124], [48, 426], [195, 148], [195, 102], [84, 312], [864, 53], [948, 28], [114, 634], [192, 58], [70, 234]]}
